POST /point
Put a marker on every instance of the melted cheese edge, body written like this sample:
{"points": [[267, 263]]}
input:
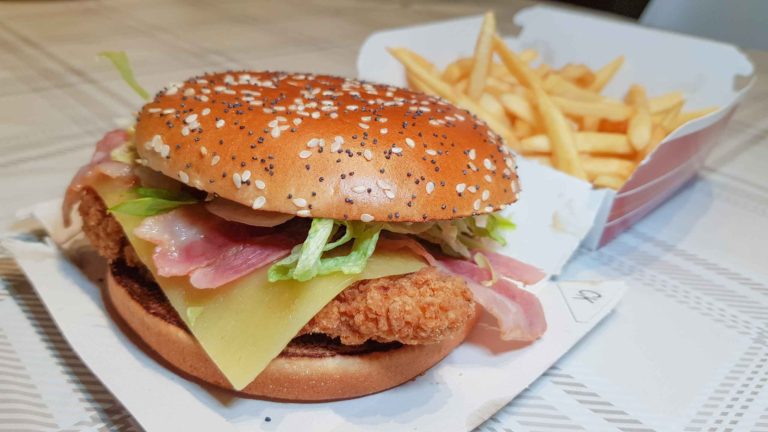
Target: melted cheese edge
{"points": [[245, 324]]}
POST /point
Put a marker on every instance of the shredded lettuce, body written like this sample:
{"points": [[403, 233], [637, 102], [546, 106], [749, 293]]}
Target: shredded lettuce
{"points": [[312, 249], [152, 202], [366, 236], [456, 237], [321, 252], [310, 259], [307, 261], [120, 60]]}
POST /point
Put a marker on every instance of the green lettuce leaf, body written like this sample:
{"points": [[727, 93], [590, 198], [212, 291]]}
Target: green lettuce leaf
{"points": [[165, 194], [307, 261], [152, 202], [366, 236], [120, 60], [346, 237]]}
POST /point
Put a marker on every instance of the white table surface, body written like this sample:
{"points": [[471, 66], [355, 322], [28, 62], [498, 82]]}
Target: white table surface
{"points": [[686, 349]]}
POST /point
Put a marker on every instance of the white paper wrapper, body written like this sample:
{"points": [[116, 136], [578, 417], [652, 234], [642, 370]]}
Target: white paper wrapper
{"points": [[466, 388]]}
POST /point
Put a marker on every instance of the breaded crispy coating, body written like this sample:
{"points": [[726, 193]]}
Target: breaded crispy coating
{"points": [[418, 308], [103, 231]]}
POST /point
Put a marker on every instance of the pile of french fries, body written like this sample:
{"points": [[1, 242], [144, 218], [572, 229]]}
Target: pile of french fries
{"points": [[555, 116]]}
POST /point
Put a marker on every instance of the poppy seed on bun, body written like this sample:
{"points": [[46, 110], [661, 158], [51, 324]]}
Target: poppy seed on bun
{"points": [[324, 146]]}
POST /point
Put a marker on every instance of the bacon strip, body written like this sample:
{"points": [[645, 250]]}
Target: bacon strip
{"points": [[394, 242], [211, 251], [514, 269], [518, 312], [100, 164]]}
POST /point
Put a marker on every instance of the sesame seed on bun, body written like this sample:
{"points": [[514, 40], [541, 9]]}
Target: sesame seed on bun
{"points": [[324, 146]]}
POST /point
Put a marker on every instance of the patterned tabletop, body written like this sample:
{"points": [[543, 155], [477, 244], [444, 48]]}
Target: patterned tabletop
{"points": [[696, 263]]}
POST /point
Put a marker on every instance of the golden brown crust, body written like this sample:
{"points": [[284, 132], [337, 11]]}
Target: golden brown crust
{"points": [[295, 377], [103, 231], [418, 308], [386, 153]]}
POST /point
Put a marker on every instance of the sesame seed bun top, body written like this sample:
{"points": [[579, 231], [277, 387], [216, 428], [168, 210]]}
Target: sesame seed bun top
{"points": [[323, 146]]}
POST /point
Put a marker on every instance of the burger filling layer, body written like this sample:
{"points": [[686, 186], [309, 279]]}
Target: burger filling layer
{"points": [[423, 307], [247, 282]]}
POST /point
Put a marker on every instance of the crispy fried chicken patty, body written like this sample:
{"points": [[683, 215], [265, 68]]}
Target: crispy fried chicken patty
{"points": [[418, 308]]}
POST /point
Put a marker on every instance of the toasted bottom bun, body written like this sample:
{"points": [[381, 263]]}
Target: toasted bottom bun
{"points": [[309, 369]]}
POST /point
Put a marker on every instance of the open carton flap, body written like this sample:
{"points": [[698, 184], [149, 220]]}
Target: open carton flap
{"points": [[554, 214], [708, 73], [470, 385]]}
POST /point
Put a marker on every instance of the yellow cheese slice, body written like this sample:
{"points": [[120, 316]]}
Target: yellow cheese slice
{"points": [[245, 324]]}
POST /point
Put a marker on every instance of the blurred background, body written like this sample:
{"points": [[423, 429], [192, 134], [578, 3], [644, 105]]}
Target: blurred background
{"points": [[740, 22]]}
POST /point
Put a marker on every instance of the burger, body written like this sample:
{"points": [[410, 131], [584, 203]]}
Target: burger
{"points": [[303, 237]]}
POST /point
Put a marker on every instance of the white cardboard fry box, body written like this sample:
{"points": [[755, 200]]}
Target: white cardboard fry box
{"points": [[709, 74]]}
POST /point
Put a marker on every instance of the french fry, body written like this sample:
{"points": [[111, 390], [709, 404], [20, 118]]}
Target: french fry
{"points": [[482, 57], [668, 119], [419, 85], [517, 67], [657, 136], [542, 70], [558, 86], [607, 110], [604, 165], [523, 92], [418, 71], [522, 128], [640, 124], [603, 143], [665, 102], [512, 81], [461, 86], [457, 70], [578, 74], [518, 106], [604, 75], [444, 90], [586, 142], [421, 61], [415, 82], [608, 181], [500, 72], [535, 144], [692, 115], [613, 126], [564, 154], [528, 55], [494, 108], [496, 86], [590, 123]]}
